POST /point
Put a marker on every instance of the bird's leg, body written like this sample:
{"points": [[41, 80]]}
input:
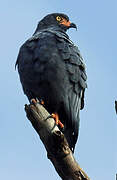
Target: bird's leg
{"points": [[56, 117], [41, 102], [53, 115], [58, 122]]}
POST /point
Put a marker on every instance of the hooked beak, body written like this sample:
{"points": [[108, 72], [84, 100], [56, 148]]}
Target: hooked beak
{"points": [[72, 25], [68, 24]]}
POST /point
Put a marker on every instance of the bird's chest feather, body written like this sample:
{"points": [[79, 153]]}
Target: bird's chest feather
{"points": [[45, 73]]}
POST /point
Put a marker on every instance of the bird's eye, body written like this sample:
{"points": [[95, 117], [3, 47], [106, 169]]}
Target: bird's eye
{"points": [[58, 18]]}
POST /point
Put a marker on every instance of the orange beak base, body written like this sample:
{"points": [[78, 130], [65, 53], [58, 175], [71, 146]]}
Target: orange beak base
{"points": [[68, 24]]}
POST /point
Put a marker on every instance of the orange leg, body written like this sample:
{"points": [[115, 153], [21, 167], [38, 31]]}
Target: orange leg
{"points": [[58, 122], [41, 102]]}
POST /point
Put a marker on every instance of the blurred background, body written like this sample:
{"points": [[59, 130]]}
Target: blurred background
{"points": [[22, 155]]}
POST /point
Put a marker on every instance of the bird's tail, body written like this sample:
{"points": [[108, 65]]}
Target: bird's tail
{"points": [[72, 119]]}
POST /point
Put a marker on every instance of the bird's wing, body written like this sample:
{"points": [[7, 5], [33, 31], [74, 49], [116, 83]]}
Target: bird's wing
{"points": [[77, 84]]}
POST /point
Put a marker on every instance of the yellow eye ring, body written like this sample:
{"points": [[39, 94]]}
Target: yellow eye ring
{"points": [[58, 18]]}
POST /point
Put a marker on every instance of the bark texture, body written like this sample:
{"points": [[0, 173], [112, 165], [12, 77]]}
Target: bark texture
{"points": [[58, 150]]}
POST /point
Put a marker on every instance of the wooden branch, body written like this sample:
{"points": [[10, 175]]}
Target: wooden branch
{"points": [[58, 150]]}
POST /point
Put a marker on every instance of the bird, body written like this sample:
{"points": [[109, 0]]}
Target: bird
{"points": [[51, 69]]}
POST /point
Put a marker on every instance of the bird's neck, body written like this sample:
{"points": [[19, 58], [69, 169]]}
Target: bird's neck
{"points": [[52, 28]]}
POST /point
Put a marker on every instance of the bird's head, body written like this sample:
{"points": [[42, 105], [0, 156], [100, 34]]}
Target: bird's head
{"points": [[56, 20]]}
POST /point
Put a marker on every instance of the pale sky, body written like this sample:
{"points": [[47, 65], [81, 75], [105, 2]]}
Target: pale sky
{"points": [[22, 155]]}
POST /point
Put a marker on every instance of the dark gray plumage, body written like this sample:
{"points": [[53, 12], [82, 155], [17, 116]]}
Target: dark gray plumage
{"points": [[51, 68]]}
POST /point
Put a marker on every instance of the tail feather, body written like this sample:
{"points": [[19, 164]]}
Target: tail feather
{"points": [[72, 120]]}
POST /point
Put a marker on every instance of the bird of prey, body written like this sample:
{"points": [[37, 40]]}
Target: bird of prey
{"points": [[51, 68]]}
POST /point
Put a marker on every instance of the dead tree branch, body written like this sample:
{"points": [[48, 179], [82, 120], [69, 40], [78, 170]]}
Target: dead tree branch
{"points": [[58, 150]]}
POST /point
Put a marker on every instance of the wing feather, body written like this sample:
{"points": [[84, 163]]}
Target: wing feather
{"points": [[77, 84]]}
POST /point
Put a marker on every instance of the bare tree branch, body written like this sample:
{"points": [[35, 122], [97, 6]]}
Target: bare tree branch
{"points": [[55, 143]]}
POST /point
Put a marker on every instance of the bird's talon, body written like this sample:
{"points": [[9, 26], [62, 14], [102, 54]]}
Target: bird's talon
{"points": [[41, 102], [33, 101], [53, 115], [57, 121], [61, 124]]}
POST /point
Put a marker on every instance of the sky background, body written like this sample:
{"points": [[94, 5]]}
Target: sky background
{"points": [[22, 155]]}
